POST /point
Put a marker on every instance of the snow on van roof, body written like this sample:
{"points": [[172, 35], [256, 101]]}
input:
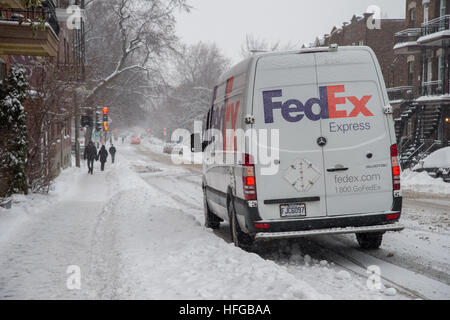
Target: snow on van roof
{"points": [[244, 66]]}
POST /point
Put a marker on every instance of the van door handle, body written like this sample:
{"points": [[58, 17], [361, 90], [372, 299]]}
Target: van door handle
{"points": [[337, 169]]}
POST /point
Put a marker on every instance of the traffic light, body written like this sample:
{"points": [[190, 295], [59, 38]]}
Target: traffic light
{"points": [[105, 126], [105, 114]]}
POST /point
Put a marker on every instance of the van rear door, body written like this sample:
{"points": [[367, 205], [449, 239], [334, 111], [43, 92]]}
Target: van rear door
{"points": [[357, 163], [282, 85]]}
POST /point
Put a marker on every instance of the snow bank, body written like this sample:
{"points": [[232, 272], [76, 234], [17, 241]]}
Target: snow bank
{"points": [[422, 182], [25, 207]]}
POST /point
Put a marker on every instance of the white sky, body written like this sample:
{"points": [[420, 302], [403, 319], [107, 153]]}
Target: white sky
{"points": [[226, 22]]}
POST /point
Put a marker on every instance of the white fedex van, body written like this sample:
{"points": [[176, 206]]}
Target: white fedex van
{"points": [[313, 141]]}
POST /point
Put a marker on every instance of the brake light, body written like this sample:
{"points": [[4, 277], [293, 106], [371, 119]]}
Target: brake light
{"points": [[395, 168], [264, 226], [249, 179], [394, 216]]}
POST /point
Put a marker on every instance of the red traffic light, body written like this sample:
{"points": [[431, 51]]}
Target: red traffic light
{"points": [[105, 110]]}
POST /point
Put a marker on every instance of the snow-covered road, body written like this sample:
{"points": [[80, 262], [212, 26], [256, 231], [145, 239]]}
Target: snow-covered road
{"points": [[136, 231]]}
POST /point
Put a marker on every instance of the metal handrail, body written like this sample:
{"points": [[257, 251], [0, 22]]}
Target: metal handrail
{"points": [[396, 89], [415, 152], [430, 88], [400, 93], [407, 35], [409, 32], [439, 24]]}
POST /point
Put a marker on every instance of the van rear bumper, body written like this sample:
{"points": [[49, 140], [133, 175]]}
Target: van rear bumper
{"points": [[289, 225], [329, 231], [366, 220]]}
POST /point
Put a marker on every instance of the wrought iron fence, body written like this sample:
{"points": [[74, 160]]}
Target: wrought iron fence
{"points": [[436, 25], [400, 93], [44, 14], [408, 35], [432, 88]]}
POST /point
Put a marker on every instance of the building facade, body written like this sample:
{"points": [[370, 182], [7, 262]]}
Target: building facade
{"points": [[53, 56], [360, 32], [421, 107]]}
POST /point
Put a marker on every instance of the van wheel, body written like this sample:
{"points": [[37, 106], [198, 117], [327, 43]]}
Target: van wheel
{"points": [[369, 241], [211, 220], [240, 239]]}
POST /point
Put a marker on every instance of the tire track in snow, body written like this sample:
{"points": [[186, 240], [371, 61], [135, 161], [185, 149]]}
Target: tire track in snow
{"points": [[407, 282]]}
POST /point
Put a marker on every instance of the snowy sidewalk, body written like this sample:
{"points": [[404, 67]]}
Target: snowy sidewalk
{"points": [[130, 241], [136, 231]]}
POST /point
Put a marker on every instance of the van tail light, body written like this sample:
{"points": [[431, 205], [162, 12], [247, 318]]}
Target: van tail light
{"points": [[249, 179], [392, 217], [395, 168], [264, 226]]}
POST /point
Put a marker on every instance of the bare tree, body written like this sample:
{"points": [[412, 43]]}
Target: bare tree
{"points": [[254, 45], [127, 42], [197, 68], [49, 107]]}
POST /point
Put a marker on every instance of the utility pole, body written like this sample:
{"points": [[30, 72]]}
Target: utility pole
{"points": [[77, 132]]}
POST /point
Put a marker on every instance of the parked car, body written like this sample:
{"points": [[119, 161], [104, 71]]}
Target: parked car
{"points": [[136, 141], [168, 147], [335, 169], [437, 164], [173, 147]]}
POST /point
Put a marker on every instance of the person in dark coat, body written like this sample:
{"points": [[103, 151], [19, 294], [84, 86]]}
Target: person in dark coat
{"points": [[112, 152], [103, 156], [90, 154]]}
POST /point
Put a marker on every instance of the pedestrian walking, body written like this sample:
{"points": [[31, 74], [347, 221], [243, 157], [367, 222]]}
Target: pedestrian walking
{"points": [[90, 154], [103, 155], [112, 152]]}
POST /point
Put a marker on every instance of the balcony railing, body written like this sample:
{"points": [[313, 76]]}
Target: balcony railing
{"points": [[432, 88], [46, 14], [436, 25], [65, 3], [408, 35], [400, 93]]}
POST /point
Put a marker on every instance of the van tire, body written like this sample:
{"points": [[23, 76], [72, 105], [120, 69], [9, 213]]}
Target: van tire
{"points": [[369, 241], [239, 238], [211, 220]]}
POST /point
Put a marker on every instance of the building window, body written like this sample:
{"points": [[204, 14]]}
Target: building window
{"points": [[443, 7], [361, 42], [410, 73], [426, 10], [429, 70], [412, 17], [2, 69]]}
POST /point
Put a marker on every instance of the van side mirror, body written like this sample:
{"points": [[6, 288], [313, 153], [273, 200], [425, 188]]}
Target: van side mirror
{"points": [[196, 143]]}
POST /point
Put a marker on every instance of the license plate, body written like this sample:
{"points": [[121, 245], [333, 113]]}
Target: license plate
{"points": [[293, 210]]}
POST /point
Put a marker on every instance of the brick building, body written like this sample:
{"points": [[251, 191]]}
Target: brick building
{"points": [[381, 40], [422, 106], [62, 49]]}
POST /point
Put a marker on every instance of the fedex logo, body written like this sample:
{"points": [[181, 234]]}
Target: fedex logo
{"points": [[293, 110]]}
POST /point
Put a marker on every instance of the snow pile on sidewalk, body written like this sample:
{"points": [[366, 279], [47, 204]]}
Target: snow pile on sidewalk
{"points": [[422, 182]]}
